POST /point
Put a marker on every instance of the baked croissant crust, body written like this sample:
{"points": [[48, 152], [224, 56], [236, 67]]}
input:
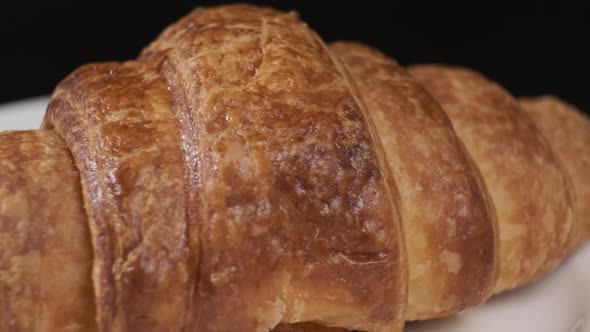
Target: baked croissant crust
{"points": [[567, 130], [240, 175], [529, 188], [448, 217], [45, 256]]}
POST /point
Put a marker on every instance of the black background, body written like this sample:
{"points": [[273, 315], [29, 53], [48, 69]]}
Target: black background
{"points": [[529, 47]]}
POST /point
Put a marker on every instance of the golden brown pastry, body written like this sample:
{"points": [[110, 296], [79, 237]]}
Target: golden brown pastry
{"points": [[231, 181], [116, 120], [45, 256], [449, 220], [567, 130], [300, 222], [529, 189]]}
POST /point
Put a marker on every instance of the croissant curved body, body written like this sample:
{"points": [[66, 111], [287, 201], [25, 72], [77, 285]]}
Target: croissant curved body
{"points": [[240, 175], [529, 187], [448, 218], [567, 130]]}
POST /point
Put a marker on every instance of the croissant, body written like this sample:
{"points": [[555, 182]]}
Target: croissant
{"points": [[240, 175]]}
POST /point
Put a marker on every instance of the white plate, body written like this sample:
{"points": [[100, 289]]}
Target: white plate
{"points": [[558, 303]]}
